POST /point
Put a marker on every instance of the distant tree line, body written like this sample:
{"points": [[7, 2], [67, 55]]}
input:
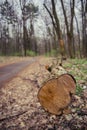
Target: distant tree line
{"points": [[65, 34], [15, 36]]}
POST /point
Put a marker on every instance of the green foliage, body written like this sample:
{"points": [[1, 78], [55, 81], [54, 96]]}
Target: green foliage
{"points": [[79, 90], [30, 53], [1, 54], [79, 61], [16, 54], [78, 68], [51, 53]]}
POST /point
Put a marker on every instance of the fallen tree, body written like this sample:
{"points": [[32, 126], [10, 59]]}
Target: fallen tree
{"points": [[56, 94]]}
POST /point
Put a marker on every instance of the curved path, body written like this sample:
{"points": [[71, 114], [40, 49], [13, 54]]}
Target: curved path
{"points": [[9, 71]]}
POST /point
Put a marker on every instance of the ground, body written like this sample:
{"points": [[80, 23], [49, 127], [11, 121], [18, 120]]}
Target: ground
{"points": [[19, 105]]}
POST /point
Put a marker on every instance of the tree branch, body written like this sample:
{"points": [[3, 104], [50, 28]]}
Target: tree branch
{"points": [[72, 5], [50, 15], [58, 30], [64, 12]]}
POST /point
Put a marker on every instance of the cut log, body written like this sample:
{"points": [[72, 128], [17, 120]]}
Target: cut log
{"points": [[55, 94]]}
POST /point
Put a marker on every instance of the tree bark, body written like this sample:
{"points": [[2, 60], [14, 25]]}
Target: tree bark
{"points": [[56, 24], [85, 27], [69, 30], [24, 37], [79, 42]]}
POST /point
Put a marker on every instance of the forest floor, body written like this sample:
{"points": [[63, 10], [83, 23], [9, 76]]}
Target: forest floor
{"points": [[5, 60], [19, 105]]}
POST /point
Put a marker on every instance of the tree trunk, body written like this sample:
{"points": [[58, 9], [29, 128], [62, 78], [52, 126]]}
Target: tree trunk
{"points": [[24, 37], [69, 30], [79, 42], [85, 27], [56, 24], [70, 46]]}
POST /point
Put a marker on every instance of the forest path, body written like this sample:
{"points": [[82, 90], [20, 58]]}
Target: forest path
{"points": [[7, 72]]}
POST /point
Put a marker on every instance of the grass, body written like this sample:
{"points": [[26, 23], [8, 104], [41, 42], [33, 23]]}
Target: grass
{"points": [[51, 53], [30, 53], [79, 90], [78, 68], [17, 54]]}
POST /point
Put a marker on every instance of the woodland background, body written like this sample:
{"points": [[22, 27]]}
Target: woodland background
{"points": [[50, 27], [55, 28]]}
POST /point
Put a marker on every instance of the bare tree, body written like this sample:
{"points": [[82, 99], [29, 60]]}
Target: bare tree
{"points": [[84, 26], [8, 17], [56, 24], [23, 10], [28, 12], [69, 28], [79, 41]]}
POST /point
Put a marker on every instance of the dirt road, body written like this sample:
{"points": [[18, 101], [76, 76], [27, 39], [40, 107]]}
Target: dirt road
{"points": [[9, 71]]}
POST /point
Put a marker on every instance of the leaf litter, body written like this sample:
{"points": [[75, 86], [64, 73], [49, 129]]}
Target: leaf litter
{"points": [[21, 110]]}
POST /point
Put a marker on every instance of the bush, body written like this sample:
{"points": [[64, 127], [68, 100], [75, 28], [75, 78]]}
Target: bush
{"points": [[51, 53], [16, 54], [30, 53]]}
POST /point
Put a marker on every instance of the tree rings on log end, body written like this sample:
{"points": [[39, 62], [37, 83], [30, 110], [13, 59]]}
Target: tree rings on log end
{"points": [[55, 94]]}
